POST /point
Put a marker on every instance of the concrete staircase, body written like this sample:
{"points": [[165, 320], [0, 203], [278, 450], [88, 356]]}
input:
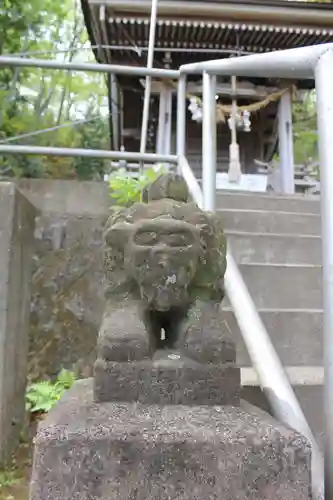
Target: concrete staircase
{"points": [[276, 242]]}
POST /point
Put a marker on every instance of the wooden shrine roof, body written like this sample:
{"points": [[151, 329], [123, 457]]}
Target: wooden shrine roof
{"points": [[242, 25]]}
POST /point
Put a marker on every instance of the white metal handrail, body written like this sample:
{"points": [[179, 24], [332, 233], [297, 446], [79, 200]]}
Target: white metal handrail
{"points": [[115, 69], [302, 63], [88, 153], [273, 379], [191, 181]]}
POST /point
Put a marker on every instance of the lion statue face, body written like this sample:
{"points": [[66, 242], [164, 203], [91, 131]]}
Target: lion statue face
{"points": [[162, 256]]}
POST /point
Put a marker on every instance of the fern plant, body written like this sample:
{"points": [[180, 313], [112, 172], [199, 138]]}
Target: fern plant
{"points": [[127, 190], [42, 396]]}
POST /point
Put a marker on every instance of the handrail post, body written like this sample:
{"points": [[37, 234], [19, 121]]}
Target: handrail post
{"points": [[208, 141], [324, 78], [181, 117]]}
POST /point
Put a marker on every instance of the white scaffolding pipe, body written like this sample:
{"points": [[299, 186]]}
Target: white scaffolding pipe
{"points": [[293, 63], [181, 116], [150, 60], [90, 67], [324, 78], [163, 143], [208, 141], [87, 153], [286, 146], [115, 114]]}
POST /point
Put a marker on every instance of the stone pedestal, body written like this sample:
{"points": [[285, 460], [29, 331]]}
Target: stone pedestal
{"points": [[116, 451], [167, 425]]}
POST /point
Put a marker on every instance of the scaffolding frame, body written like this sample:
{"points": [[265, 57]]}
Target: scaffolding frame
{"points": [[306, 62]]}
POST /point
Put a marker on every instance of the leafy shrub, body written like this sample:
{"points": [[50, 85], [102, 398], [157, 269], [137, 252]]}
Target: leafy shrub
{"points": [[42, 396], [127, 190], [9, 477]]}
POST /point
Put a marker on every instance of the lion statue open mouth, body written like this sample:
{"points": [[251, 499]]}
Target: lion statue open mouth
{"points": [[165, 253]]}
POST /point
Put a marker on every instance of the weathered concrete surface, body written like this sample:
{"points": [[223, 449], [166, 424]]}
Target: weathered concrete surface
{"points": [[169, 378], [16, 250], [67, 290], [87, 451], [67, 197], [310, 398], [67, 293]]}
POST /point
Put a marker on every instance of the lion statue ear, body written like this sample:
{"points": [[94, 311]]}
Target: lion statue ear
{"points": [[167, 186], [118, 282], [118, 235]]}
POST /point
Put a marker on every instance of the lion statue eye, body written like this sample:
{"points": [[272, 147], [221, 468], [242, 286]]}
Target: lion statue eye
{"points": [[177, 240], [146, 238]]}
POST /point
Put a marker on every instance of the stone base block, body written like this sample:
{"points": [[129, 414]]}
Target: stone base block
{"points": [[114, 451], [168, 378]]}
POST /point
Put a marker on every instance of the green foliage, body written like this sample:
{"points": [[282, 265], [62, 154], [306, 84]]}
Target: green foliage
{"points": [[42, 396], [127, 190], [305, 130], [9, 477], [93, 135], [33, 99]]}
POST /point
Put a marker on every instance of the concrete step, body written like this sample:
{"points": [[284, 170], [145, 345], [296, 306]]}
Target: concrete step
{"points": [[276, 241], [283, 286], [263, 221], [275, 248], [297, 335], [296, 203]]}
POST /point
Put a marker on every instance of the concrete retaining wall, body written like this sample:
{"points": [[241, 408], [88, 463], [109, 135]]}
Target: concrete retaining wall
{"points": [[16, 249], [67, 284]]}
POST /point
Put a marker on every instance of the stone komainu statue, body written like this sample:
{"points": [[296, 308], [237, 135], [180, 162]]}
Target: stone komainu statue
{"points": [[165, 253]]}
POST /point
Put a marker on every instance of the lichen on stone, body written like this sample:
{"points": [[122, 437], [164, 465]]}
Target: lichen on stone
{"points": [[165, 252]]}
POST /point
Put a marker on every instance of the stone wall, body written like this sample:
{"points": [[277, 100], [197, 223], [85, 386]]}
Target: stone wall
{"points": [[67, 289]]}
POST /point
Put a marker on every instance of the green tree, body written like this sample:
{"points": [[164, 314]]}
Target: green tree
{"points": [[305, 130], [43, 28]]}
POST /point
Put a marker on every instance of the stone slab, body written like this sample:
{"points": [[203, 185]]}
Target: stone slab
{"points": [[16, 247], [263, 221], [296, 334], [266, 248], [88, 451], [282, 286], [169, 378], [271, 202]]}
